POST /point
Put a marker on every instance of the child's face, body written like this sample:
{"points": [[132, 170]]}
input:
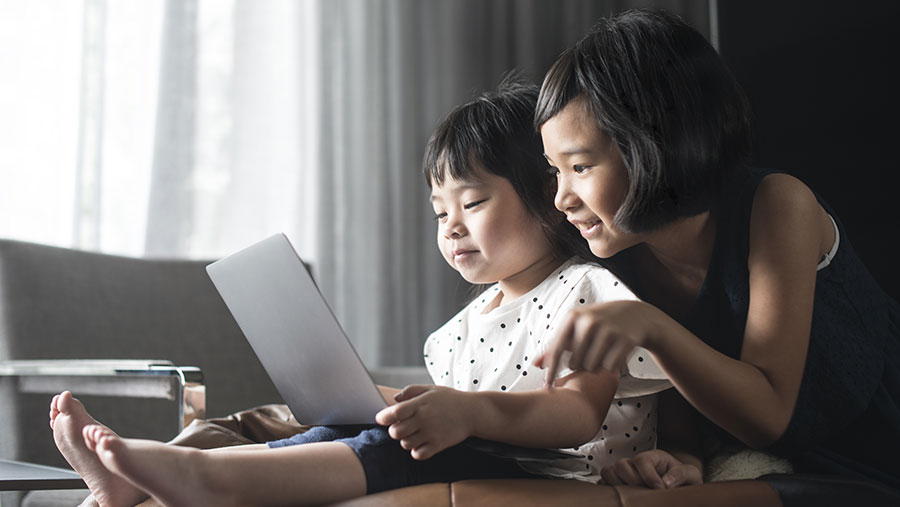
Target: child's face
{"points": [[591, 178], [484, 230]]}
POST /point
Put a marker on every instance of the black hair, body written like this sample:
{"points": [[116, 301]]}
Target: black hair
{"points": [[495, 131], [663, 95]]}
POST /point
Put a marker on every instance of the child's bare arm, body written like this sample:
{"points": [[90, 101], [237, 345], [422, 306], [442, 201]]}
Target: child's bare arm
{"points": [[567, 416], [428, 419]]}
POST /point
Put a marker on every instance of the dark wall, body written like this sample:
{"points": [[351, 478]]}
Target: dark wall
{"points": [[822, 79]]}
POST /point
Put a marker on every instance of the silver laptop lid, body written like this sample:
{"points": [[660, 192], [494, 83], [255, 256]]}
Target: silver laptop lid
{"points": [[294, 333]]}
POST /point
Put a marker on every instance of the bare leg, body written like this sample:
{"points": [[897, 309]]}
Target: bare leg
{"points": [[308, 474], [68, 418]]}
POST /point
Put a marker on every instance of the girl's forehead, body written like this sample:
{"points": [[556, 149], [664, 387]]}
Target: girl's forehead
{"points": [[578, 114], [571, 132]]}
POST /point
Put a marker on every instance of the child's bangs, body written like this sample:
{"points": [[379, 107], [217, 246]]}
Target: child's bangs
{"points": [[560, 86], [450, 154]]}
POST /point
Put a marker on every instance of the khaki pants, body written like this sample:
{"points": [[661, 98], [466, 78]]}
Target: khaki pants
{"points": [[252, 426]]}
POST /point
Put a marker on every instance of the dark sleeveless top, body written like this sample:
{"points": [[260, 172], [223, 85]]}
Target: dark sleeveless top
{"points": [[847, 416]]}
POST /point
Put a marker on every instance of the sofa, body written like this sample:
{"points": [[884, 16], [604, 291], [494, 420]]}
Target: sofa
{"points": [[54, 301]]}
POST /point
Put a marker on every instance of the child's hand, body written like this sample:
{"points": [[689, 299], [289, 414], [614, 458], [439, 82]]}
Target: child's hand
{"points": [[426, 419], [655, 469], [600, 337]]}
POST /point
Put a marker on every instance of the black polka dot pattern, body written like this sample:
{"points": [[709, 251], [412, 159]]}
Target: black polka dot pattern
{"points": [[490, 348]]}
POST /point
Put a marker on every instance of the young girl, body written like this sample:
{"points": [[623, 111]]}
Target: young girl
{"points": [[754, 303], [496, 225]]}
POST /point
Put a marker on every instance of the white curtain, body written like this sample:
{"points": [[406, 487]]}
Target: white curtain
{"points": [[192, 128]]}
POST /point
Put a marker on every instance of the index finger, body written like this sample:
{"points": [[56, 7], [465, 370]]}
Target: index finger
{"points": [[562, 343], [395, 413]]}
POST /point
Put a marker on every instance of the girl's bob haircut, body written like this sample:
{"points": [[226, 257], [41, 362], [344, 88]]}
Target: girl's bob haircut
{"points": [[495, 132], [666, 99]]}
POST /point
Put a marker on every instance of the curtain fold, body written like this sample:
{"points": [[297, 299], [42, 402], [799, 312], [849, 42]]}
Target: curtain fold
{"points": [[171, 201]]}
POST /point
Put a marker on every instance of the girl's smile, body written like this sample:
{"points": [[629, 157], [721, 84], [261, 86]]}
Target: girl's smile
{"points": [[587, 229]]}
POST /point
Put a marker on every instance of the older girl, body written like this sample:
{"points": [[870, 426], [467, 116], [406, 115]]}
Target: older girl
{"points": [[755, 304]]}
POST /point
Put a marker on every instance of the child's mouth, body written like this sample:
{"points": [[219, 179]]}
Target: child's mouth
{"points": [[588, 229], [462, 255]]}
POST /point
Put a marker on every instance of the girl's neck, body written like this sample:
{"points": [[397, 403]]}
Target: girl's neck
{"points": [[682, 248], [519, 284]]}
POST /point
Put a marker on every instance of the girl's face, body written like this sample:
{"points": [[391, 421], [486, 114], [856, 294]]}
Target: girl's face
{"points": [[591, 178], [484, 230]]}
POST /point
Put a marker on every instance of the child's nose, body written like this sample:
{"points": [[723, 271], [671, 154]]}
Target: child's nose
{"points": [[564, 199], [454, 228]]}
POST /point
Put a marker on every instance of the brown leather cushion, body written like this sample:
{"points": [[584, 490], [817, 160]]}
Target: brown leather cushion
{"points": [[541, 492], [526, 492], [435, 494], [744, 493]]}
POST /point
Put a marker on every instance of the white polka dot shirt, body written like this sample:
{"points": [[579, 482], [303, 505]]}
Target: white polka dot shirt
{"points": [[478, 351]]}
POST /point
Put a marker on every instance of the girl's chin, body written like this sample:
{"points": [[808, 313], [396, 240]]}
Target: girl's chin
{"points": [[602, 249]]}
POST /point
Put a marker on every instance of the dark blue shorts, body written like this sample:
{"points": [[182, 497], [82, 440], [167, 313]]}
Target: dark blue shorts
{"points": [[388, 466]]}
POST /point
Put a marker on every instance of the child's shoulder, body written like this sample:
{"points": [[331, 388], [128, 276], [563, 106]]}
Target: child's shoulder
{"points": [[592, 279]]}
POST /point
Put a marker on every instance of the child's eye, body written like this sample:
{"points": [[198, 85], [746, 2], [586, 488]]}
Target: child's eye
{"points": [[440, 216], [578, 169], [552, 171], [472, 204]]}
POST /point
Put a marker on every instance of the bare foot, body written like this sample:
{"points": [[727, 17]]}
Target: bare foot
{"points": [[68, 418], [175, 476]]}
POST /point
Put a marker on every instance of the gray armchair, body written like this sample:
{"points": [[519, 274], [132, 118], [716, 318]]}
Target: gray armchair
{"points": [[61, 304]]}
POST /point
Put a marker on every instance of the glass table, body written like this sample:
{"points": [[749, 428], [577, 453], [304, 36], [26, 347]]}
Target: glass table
{"points": [[19, 476], [135, 378]]}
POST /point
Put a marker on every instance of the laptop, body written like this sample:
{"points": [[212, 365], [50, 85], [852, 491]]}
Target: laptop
{"points": [[295, 335], [302, 346]]}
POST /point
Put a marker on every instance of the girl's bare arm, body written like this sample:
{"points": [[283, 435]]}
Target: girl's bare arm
{"points": [[754, 398]]}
